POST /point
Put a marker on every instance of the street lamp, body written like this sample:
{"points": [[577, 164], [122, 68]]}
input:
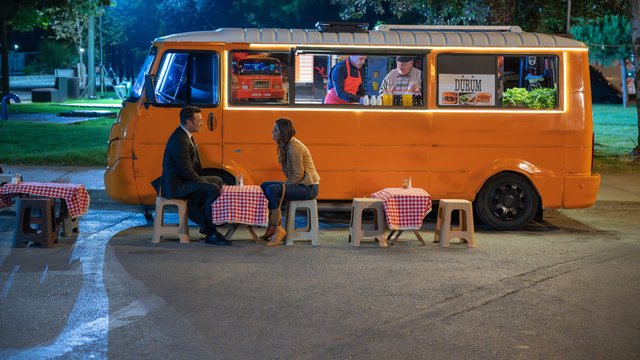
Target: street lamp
{"points": [[15, 47]]}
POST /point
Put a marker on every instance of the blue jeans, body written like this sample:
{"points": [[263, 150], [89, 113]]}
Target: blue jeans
{"points": [[273, 191]]}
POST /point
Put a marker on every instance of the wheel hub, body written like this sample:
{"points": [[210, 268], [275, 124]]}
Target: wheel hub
{"points": [[508, 201]]}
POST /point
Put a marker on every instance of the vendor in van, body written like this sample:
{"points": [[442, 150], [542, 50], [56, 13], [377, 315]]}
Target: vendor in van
{"points": [[346, 81], [404, 78]]}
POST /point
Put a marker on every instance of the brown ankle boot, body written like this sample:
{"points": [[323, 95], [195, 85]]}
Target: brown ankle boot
{"points": [[275, 220], [268, 233], [278, 236]]}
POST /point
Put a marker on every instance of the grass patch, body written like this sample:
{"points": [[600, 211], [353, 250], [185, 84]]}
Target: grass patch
{"points": [[616, 132], [58, 107], [34, 143], [616, 164], [615, 129]]}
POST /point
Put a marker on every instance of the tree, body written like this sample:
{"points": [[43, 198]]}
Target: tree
{"points": [[609, 39], [530, 15], [22, 15], [436, 12], [70, 22]]}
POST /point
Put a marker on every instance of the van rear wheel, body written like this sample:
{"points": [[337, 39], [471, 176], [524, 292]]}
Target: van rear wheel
{"points": [[506, 202]]}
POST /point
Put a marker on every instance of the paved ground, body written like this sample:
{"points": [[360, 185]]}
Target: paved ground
{"points": [[566, 288]]}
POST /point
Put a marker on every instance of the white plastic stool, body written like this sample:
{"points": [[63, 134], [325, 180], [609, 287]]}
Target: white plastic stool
{"points": [[357, 232], [160, 228], [464, 231], [311, 232]]}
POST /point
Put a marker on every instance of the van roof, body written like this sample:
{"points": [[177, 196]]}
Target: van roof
{"points": [[458, 37]]}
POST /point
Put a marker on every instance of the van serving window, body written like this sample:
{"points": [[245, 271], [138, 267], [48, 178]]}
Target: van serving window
{"points": [[385, 78], [259, 77], [509, 81]]}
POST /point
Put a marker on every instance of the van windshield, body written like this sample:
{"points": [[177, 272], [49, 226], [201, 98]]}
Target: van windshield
{"points": [[259, 67], [136, 90]]}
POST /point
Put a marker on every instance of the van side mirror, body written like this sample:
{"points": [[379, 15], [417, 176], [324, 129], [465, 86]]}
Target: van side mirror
{"points": [[150, 94]]}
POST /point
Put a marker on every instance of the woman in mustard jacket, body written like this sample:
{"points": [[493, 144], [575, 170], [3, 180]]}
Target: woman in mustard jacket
{"points": [[302, 178]]}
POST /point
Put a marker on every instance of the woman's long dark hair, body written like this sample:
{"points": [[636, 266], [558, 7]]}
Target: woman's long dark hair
{"points": [[287, 131]]}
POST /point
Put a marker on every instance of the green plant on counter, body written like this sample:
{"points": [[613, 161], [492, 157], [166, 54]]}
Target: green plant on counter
{"points": [[514, 97], [541, 98]]}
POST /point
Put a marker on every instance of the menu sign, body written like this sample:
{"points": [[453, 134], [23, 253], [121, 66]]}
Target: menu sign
{"points": [[466, 89], [304, 68]]}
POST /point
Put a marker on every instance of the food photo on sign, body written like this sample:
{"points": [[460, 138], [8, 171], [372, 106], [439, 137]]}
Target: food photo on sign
{"points": [[466, 89]]}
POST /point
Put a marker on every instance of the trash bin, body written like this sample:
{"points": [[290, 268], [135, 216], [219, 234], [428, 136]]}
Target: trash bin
{"points": [[73, 87]]}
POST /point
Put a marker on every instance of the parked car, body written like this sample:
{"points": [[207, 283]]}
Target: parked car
{"points": [[601, 89]]}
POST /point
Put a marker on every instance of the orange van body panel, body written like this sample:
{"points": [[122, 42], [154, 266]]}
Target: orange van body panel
{"points": [[358, 151]]}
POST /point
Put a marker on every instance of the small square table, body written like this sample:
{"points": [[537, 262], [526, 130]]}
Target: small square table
{"points": [[404, 209], [75, 195], [240, 205], [74, 199]]}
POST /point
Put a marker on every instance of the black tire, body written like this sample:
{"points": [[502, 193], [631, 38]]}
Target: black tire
{"points": [[507, 201]]}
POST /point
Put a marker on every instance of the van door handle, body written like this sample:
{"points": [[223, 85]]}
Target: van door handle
{"points": [[212, 123]]}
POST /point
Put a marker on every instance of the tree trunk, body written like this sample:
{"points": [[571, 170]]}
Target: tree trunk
{"points": [[635, 33], [5, 55], [623, 76]]}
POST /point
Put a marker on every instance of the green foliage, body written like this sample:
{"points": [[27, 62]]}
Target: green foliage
{"points": [[451, 12], [53, 55], [515, 97], [37, 143], [27, 15], [541, 98], [530, 15], [608, 38]]}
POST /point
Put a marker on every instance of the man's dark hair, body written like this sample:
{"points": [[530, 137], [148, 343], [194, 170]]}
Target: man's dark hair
{"points": [[187, 114]]}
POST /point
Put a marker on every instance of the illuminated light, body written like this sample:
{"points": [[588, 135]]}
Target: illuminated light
{"points": [[225, 78], [565, 80], [529, 167], [563, 103], [439, 48], [396, 111]]}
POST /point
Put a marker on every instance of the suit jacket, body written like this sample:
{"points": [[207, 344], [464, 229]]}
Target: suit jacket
{"points": [[180, 165]]}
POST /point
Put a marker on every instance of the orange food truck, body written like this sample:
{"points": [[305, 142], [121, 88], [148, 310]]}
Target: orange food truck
{"points": [[503, 118]]}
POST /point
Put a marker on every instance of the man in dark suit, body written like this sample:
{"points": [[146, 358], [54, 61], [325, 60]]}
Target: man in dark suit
{"points": [[182, 176]]}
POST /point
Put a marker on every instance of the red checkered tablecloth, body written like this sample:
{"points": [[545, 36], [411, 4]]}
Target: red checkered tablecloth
{"points": [[75, 195], [404, 208], [240, 204]]}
